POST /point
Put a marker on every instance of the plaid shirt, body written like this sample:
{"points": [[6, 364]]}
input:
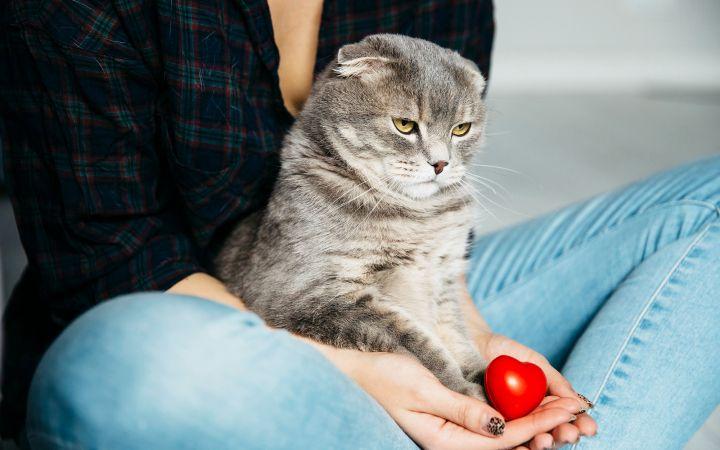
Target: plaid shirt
{"points": [[136, 133]]}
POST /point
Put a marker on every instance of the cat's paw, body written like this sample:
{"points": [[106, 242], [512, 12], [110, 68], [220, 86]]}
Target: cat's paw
{"points": [[476, 373]]}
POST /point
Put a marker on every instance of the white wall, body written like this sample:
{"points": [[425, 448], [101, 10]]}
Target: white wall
{"points": [[595, 45]]}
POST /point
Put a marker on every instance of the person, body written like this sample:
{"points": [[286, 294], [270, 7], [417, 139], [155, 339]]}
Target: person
{"points": [[137, 133]]}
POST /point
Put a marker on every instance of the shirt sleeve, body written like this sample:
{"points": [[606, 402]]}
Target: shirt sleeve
{"points": [[84, 174]]}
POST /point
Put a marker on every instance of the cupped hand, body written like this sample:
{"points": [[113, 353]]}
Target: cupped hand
{"points": [[561, 393], [432, 415]]}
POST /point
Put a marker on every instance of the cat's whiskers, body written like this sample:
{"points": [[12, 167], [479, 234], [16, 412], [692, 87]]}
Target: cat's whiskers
{"points": [[496, 133], [499, 205], [476, 164], [420, 205], [457, 190], [468, 190], [334, 208], [352, 199], [378, 199], [494, 191], [489, 180], [330, 209], [505, 169], [478, 180], [496, 203]]}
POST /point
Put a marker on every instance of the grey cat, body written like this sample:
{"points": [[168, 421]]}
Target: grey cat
{"points": [[362, 243]]}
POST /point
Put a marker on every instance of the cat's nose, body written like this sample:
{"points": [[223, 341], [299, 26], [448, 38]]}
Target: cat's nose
{"points": [[439, 166]]}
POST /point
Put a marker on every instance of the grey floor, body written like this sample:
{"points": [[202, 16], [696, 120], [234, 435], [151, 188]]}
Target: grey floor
{"points": [[569, 147], [559, 149]]}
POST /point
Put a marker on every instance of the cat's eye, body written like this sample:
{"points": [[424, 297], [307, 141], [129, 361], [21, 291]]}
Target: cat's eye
{"points": [[405, 126], [461, 130]]}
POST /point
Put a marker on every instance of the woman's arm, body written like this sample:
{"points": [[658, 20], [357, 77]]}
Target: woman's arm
{"points": [[203, 285]]}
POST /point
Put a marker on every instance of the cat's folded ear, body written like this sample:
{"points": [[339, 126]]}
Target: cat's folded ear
{"points": [[360, 60], [473, 72]]}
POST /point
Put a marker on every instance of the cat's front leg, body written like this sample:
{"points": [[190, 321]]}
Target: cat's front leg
{"points": [[423, 343], [367, 321], [452, 329]]}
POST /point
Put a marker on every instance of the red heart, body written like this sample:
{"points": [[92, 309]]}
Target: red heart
{"points": [[514, 388]]}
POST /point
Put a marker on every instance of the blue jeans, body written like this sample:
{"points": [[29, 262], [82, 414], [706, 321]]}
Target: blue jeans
{"points": [[622, 292]]}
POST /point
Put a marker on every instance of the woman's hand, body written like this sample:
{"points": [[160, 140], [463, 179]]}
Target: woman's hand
{"points": [[432, 415], [493, 345]]}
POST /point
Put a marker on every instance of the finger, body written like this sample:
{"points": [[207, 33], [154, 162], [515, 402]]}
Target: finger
{"points": [[439, 433], [541, 441], [570, 404], [521, 430], [565, 434], [549, 398], [586, 400], [586, 425], [470, 413], [435, 432], [558, 384], [521, 447]]}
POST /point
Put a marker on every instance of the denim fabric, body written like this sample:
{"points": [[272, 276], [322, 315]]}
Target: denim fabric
{"points": [[157, 371], [621, 292]]}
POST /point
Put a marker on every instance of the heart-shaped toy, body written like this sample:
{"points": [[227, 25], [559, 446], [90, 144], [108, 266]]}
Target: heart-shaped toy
{"points": [[514, 388]]}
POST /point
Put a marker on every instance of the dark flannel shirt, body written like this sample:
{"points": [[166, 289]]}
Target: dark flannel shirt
{"points": [[136, 132]]}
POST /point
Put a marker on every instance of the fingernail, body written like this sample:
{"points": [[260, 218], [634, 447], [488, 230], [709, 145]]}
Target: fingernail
{"points": [[583, 398], [572, 418], [582, 411], [496, 426]]}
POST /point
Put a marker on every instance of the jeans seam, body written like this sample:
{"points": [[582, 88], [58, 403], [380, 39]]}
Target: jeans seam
{"points": [[642, 314], [531, 276]]}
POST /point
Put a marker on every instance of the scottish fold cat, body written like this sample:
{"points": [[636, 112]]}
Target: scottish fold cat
{"points": [[363, 240]]}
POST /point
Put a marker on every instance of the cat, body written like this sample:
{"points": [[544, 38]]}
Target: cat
{"points": [[363, 241]]}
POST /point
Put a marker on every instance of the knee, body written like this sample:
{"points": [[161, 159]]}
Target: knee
{"points": [[159, 371], [700, 182], [127, 363]]}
